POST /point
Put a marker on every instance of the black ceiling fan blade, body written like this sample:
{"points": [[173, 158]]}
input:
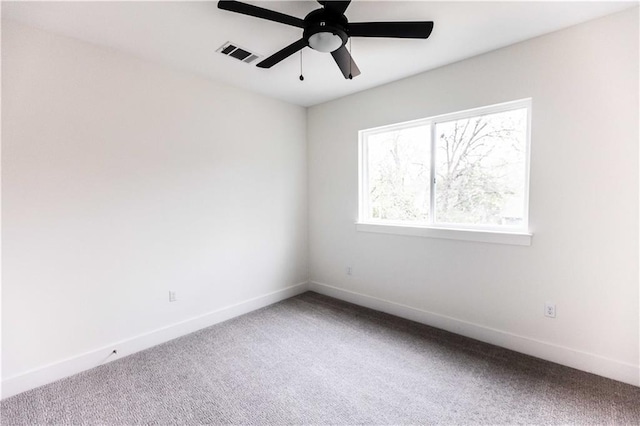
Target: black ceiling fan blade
{"points": [[336, 6], [345, 62], [417, 29], [283, 53], [259, 12]]}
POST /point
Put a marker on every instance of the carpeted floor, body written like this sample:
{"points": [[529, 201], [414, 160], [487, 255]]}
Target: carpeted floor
{"points": [[315, 360]]}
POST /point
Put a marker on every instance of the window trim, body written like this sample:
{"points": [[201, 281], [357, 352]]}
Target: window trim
{"points": [[477, 235], [518, 235]]}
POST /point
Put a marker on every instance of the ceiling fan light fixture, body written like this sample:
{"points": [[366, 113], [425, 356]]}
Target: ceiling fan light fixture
{"points": [[325, 41]]}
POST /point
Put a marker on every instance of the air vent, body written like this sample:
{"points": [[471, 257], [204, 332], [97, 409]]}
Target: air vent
{"points": [[240, 53]]}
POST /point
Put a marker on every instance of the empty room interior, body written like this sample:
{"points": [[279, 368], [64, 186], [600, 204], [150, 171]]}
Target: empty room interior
{"points": [[320, 212]]}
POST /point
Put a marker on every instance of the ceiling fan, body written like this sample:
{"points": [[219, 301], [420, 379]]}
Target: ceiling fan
{"points": [[327, 29]]}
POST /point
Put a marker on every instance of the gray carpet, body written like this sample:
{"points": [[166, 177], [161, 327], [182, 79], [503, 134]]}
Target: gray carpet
{"points": [[315, 360]]}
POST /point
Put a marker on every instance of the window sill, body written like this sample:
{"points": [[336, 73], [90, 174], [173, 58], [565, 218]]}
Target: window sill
{"points": [[496, 237]]}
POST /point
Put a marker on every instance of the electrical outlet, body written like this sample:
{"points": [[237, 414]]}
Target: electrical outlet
{"points": [[550, 310], [172, 296], [349, 270]]}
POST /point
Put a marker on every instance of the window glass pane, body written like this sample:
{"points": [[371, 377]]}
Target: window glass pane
{"points": [[480, 169], [398, 165]]}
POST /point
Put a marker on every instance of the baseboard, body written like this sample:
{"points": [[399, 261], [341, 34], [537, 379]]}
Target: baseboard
{"points": [[592, 363], [59, 370], [616, 370]]}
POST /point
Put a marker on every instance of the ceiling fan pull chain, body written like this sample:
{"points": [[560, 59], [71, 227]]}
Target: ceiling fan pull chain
{"points": [[350, 59], [301, 76]]}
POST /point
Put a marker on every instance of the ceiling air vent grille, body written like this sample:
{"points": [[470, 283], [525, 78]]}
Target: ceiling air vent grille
{"points": [[240, 53]]}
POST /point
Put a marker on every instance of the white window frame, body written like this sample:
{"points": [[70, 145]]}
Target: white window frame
{"points": [[517, 235]]}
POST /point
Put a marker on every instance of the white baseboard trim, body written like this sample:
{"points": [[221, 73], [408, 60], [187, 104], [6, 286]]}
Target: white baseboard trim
{"points": [[616, 370], [70, 366]]}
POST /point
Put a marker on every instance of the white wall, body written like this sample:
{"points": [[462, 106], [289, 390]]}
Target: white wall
{"points": [[583, 205], [123, 180]]}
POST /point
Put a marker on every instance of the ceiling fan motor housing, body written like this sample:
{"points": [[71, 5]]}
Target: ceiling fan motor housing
{"points": [[325, 31]]}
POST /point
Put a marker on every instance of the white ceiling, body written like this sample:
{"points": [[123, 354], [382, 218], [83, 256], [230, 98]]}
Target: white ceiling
{"points": [[185, 35]]}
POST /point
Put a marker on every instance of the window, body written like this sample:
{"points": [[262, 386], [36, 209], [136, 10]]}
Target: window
{"points": [[464, 171]]}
